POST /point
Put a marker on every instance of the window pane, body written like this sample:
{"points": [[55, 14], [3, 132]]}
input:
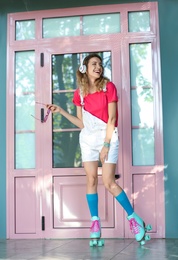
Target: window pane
{"points": [[142, 104], [102, 23], [66, 150], [65, 101], [25, 30], [24, 107], [25, 157], [139, 21], [141, 64], [61, 27], [64, 69], [142, 107], [143, 146]]}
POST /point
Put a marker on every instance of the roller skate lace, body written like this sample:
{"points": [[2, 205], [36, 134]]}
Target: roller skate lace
{"points": [[134, 226], [95, 227]]}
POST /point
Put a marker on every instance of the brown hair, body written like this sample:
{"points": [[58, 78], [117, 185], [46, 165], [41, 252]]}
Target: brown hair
{"points": [[82, 78]]}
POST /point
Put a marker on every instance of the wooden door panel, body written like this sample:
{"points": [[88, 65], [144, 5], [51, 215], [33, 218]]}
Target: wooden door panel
{"points": [[25, 205]]}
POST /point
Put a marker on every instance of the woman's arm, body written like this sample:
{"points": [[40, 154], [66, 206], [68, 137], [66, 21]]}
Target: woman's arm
{"points": [[112, 108], [76, 120]]}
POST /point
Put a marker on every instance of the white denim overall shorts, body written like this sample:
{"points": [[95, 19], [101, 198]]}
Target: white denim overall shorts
{"points": [[92, 138]]}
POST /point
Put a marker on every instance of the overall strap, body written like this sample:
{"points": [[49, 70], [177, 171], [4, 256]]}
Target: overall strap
{"points": [[104, 89], [81, 98]]}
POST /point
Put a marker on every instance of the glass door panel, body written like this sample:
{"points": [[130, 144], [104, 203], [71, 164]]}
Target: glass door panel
{"points": [[142, 104], [66, 150], [24, 107]]}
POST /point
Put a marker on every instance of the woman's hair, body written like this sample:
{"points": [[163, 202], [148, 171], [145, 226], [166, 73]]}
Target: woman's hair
{"points": [[82, 78]]}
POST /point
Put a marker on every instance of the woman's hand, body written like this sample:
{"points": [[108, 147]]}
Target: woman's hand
{"points": [[54, 108], [73, 119], [104, 154]]}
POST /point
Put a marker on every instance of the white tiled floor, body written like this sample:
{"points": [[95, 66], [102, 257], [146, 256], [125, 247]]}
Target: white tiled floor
{"points": [[78, 249]]}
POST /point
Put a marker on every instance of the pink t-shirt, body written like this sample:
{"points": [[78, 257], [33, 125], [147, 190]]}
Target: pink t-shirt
{"points": [[97, 103]]}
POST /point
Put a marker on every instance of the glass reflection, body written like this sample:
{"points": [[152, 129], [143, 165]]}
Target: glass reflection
{"points": [[25, 155], [102, 23], [61, 27], [66, 150], [24, 107], [139, 21], [25, 30], [142, 107], [143, 146], [76, 25], [142, 104]]}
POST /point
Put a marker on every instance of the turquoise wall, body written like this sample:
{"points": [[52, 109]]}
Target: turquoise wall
{"points": [[3, 125], [168, 10]]}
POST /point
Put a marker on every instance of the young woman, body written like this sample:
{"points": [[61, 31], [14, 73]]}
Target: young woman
{"points": [[97, 116]]}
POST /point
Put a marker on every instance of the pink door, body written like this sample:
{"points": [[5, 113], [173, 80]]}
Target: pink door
{"points": [[62, 159], [50, 199], [46, 181]]}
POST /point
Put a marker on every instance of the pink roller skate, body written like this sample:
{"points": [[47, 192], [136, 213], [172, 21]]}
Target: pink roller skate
{"points": [[138, 228], [95, 233]]}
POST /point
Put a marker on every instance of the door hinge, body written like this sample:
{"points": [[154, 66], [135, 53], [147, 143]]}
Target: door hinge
{"points": [[43, 223], [42, 59]]}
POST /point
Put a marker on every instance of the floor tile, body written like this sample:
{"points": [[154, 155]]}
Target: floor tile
{"points": [[79, 249]]}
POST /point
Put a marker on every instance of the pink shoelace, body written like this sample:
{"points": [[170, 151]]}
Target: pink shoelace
{"points": [[95, 227], [134, 226]]}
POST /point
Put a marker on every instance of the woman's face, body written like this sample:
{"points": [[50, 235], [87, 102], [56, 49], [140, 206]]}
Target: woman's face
{"points": [[95, 68]]}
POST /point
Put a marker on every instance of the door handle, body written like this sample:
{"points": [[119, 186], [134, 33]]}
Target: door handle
{"points": [[42, 115]]}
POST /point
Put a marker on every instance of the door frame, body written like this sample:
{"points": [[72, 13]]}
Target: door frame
{"points": [[124, 164]]}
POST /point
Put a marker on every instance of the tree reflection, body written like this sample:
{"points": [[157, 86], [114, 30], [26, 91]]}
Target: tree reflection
{"points": [[142, 104], [24, 107], [25, 30], [139, 21]]}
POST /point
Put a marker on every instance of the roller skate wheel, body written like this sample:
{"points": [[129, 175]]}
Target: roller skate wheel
{"points": [[93, 242], [148, 227], [147, 237], [101, 242], [142, 243]]}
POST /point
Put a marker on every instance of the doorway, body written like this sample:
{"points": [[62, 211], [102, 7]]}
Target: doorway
{"points": [[43, 159]]}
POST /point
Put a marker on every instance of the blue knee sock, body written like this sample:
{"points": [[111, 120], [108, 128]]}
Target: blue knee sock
{"points": [[92, 200], [125, 203]]}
